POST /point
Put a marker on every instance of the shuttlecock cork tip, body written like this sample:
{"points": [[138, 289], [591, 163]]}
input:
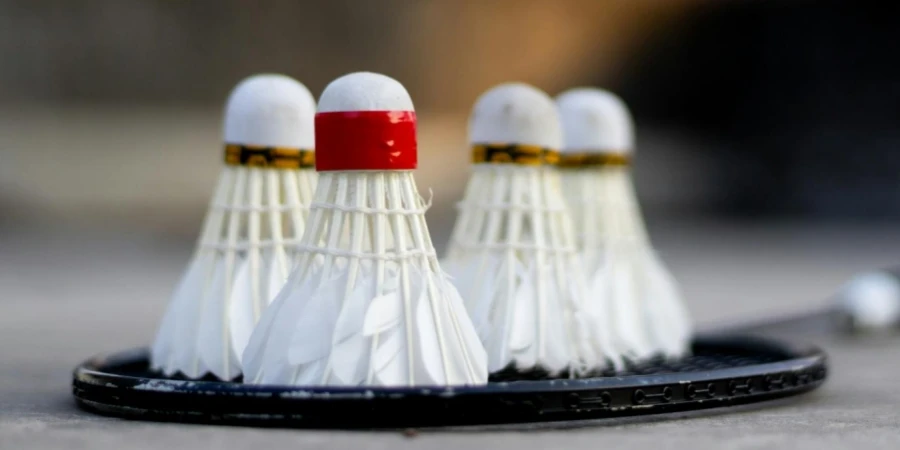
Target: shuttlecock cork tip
{"points": [[365, 122], [365, 91], [270, 110], [872, 300], [515, 113], [595, 120]]}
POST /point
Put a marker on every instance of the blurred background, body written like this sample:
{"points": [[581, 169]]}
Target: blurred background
{"points": [[767, 130], [767, 164]]}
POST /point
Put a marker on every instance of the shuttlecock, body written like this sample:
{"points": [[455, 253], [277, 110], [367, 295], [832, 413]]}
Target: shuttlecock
{"points": [[512, 251], [871, 301], [252, 228], [624, 271], [367, 302]]}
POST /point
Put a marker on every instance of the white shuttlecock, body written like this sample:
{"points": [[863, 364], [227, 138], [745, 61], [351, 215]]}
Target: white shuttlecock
{"points": [[367, 302], [871, 301], [253, 225], [642, 296], [512, 251]]}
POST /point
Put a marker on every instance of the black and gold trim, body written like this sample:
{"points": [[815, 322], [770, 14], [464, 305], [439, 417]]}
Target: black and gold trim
{"points": [[526, 155], [588, 159], [270, 157]]}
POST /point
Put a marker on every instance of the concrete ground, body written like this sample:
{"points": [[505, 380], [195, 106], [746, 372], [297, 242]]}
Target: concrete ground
{"points": [[68, 294]]}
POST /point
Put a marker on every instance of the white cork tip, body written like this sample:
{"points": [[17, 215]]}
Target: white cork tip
{"points": [[365, 91], [871, 300], [595, 120], [270, 110], [515, 113]]}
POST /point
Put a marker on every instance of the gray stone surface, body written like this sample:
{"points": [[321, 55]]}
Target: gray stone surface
{"points": [[68, 294]]}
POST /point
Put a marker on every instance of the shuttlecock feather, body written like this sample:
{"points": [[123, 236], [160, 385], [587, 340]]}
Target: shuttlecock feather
{"points": [[643, 299], [252, 228], [367, 302]]}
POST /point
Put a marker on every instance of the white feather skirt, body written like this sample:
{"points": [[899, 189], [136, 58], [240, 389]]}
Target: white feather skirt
{"points": [[367, 303], [625, 273], [242, 260], [512, 256]]}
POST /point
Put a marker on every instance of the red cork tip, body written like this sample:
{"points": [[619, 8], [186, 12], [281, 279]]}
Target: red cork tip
{"points": [[366, 140]]}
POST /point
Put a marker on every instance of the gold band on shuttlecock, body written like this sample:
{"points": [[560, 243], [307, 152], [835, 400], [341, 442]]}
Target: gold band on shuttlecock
{"points": [[269, 157], [526, 155], [588, 159]]}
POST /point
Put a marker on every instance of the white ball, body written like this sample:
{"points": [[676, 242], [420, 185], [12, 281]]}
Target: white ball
{"points": [[594, 119], [515, 113], [365, 91], [871, 300], [270, 110]]}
